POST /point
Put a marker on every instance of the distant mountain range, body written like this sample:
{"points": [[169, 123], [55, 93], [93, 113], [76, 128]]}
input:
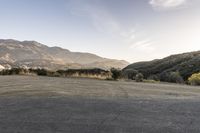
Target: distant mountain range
{"points": [[32, 54], [186, 64]]}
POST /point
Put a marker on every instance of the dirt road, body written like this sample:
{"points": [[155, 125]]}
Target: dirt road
{"points": [[64, 105]]}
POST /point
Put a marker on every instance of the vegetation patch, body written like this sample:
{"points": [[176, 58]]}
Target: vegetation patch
{"points": [[86, 73], [194, 79], [176, 68]]}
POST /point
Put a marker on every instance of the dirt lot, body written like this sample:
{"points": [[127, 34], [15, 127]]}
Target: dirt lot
{"points": [[63, 105]]}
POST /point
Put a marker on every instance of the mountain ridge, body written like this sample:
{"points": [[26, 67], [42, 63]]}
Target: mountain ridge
{"points": [[16, 53], [185, 63]]}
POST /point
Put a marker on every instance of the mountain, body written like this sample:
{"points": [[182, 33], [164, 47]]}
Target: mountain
{"points": [[15, 53], [186, 64]]}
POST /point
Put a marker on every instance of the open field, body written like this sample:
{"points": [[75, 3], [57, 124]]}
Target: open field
{"points": [[66, 105]]}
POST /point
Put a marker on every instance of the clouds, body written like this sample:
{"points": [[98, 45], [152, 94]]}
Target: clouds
{"points": [[143, 45], [103, 21], [97, 15], [167, 4], [136, 33]]}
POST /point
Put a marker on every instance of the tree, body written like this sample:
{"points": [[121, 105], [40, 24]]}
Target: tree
{"points": [[175, 77], [130, 73], [116, 73], [139, 77], [194, 79]]}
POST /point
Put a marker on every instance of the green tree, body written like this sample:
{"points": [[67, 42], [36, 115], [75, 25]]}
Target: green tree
{"points": [[116, 73], [130, 73], [139, 77], [175, 77], [194, 79]]}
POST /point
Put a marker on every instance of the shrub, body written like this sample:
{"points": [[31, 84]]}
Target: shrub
{"points": [[116, 73], [130, 74], [173, 77], [5, 72], [14, 71], [164, 76], [154, 77], [139, 77], [194, 79], [150, 81], [86, 73], [39, 72]]}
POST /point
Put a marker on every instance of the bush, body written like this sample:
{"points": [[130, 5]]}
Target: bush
{"points": [[153, 77], [5, 72], [14, 71], [86, 73], [194, 79], [130, 74], [150, 81], [173, 77], [164, 76], [139, 77], [116, 73], [39, 72]]}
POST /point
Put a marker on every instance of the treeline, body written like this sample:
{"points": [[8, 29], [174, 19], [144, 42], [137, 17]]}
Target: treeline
{"points": [[88, 73], [176, 68], [112, 74], [171, 76]]}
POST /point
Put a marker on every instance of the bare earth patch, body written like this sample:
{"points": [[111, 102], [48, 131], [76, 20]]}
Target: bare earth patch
{"points": [[69, 105]]}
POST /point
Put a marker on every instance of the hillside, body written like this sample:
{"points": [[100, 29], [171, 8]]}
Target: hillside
{"points": [[186, 64], [15, 53]]}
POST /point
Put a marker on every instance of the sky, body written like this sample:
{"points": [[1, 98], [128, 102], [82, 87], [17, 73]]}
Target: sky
{"points": [[132, 30]]}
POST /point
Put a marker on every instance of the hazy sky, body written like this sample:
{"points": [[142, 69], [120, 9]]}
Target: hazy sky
{"points": [[133, 30]]}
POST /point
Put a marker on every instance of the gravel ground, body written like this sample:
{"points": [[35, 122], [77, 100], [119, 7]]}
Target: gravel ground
{"points": [[69, 105]]}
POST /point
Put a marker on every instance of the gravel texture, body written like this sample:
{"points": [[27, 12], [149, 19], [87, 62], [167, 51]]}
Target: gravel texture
{"points": [[69, 105]]}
